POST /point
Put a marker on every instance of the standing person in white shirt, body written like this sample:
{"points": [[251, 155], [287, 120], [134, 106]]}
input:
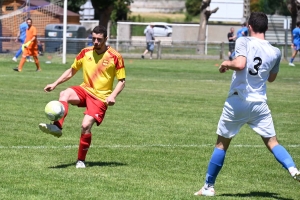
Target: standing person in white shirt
{"points": [[149, 40], [256, 62]]}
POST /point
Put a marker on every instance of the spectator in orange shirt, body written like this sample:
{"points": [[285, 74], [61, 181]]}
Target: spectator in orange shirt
{"points": [[30, 47]]}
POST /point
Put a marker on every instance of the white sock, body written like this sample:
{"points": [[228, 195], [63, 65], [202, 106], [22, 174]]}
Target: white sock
{"points": [[207, 185]]}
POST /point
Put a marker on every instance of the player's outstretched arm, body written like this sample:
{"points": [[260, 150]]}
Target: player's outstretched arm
{"points": [[237, 64], [69, 73]]}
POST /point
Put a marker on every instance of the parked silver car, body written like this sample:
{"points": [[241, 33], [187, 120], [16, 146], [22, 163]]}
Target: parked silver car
{"points": [[161, 29]]}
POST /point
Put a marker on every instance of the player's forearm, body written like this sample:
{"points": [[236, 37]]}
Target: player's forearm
{"points": [[32, 39], [272, 77], [119, 87], [237, 64], [69, 73]]}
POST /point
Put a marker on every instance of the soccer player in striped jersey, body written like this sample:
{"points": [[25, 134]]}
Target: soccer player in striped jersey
{"points": [[100, 64], [256, 62]]}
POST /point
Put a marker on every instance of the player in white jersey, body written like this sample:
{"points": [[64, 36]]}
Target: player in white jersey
{"points": [[256, 62]]}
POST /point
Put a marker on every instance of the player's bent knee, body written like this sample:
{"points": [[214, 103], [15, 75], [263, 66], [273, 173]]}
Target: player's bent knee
{"points": [[86, 128], [62, 94], [67, 94]]}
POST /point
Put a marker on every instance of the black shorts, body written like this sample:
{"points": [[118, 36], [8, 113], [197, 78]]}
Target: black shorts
{"points": [[231, 46]]}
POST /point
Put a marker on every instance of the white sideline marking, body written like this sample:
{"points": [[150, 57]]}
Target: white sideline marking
{"points": [[41, 77], [139, 146]]}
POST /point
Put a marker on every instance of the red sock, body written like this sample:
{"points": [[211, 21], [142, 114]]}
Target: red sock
{"points": [[84, 144], [60, 122], [37, 63], [21, 64]]}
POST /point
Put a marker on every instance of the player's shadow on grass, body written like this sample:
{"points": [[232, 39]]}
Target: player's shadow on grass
{"points": [[91, 164], [256, 194]]}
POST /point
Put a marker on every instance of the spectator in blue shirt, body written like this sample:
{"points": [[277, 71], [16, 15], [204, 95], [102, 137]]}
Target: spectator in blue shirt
{"points": [[242, 32], [90, 43], [296, 43]]}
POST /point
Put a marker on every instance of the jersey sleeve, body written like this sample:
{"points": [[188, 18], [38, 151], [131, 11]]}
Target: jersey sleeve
{"points": [[120, 74], [77, 64], [120, 68], [241, 47], [34, 32], [275, 69]]}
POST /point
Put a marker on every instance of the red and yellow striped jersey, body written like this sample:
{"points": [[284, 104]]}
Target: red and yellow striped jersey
{"points": [[99, 71]]}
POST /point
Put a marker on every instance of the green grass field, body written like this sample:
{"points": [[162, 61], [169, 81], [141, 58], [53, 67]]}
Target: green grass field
{"points": [[155, 143]]}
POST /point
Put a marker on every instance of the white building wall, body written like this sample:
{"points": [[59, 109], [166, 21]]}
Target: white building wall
{"points": [[229, 11], [157, 6]]}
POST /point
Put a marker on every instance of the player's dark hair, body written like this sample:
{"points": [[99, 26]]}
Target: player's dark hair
{"points": [[29, 19], [259, 22], [298, 23], [100, 29]]}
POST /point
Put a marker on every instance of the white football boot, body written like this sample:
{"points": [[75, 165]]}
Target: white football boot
{"points": [[50, 129], [206, 190], [292, 64], [80, 164], [295, 174]]}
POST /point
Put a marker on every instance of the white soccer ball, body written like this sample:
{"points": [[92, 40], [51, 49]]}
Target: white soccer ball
{"points": [[54, 110]]}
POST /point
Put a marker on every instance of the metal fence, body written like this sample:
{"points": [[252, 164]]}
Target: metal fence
{"points": [[184, 49], [135, 48]]}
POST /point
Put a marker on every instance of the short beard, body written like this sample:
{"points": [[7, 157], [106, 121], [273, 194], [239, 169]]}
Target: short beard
{"points": [[98, 47]]}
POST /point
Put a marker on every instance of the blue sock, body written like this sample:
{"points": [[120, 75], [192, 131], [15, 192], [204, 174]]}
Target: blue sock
{"points": [[283, 157], [292, 60], [19, 52], [215, 165]]}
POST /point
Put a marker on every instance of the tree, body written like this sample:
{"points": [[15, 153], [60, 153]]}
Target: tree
{"points": [[104, 9], [294, 8], [202, 7], [120, 12], [74, 5], [269, 7], [192, 8], [205, 13]]}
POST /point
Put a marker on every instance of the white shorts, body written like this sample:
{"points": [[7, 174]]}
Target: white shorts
{"points": [[237, 112]]}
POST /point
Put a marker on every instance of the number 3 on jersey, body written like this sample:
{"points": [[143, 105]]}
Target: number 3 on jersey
{"points": [[256, 67]]}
